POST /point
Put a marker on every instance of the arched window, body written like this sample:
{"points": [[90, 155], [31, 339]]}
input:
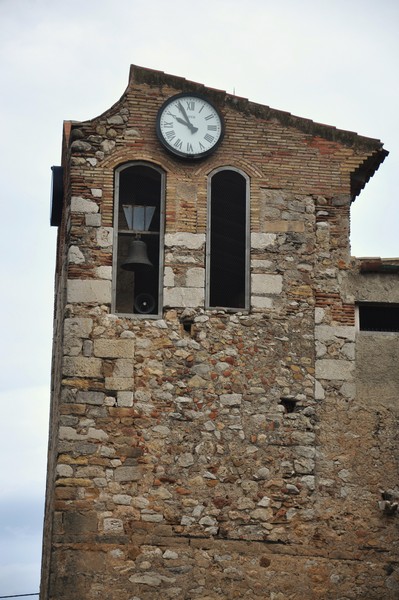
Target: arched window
{"points": [[138, 239], [228, 240]]}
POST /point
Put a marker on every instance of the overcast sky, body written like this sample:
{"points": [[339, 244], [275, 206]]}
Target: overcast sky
{"points": [[333, 61]]}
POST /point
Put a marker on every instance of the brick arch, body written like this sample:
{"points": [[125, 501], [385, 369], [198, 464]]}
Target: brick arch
{"points": [[242, 165]]}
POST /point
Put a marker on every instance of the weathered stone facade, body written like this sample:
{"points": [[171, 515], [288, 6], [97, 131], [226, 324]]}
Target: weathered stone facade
{"points": [[215, 454]]}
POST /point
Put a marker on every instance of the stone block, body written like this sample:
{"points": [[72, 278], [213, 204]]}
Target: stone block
{"points": [[72, 346], [260, 241], [114, 348], [113, 525], [261, 302], [169, 277], [93, 219], [325, 333], [95, 398], [126, 474], [123, 368], [78, 327], [75, 255], [284, 226], [266, 284], [341, 370], [83, 205], [195, 277], [77, 523], [104, 272], [97, 291], [119, 383], [230, 399], [96, 192], [81, 366], [184, 297], [191, 241], [87, 348], [104, 236], [125, 399]]}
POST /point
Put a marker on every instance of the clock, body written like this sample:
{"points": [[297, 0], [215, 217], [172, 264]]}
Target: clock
{"points": [[189, 126]]}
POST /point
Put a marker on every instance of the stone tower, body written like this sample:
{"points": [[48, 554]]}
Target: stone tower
{"points": [[224, 387]]}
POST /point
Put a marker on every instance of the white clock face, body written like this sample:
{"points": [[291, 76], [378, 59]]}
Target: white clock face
{"points": [[189, 126]]}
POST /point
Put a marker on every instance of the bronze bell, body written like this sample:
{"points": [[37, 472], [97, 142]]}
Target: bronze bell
{"points": [[137, 258]]}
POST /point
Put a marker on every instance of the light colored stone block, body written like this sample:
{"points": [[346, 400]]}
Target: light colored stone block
{"points": [[104, 272], [96, 192], [123, 367], [104, 236], [111, 348], [192, 241], [284, 226], [261, 302], [266, 284], [126, 474], [261, 264], [75, 255], [341, 370], [230, 399], [184, 297], [169, 277], [112, 525], [195, 277], [81, 366], [78, 327], [319, 392], [119, 383], [125, 399], [260, 241], [325, 333], [89, 290], [79, 204], [93, 220]]}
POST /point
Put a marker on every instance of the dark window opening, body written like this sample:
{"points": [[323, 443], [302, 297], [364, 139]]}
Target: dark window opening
{"points": [[289, 404], [227, 251], [187, 324], [139, 222], [379, 317]]}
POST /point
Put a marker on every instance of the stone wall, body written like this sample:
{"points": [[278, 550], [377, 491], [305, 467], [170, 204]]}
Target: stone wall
{"points": [[210, 454]]}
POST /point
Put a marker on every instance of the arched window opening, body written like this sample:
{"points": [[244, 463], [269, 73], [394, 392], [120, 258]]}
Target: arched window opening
{"points": [[227, 247], [138, 223]]}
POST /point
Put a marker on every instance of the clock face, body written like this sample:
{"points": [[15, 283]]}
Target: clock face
{"points": [[189, 126]]}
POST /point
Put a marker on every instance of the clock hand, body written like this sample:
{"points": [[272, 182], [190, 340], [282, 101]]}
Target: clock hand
{"points": [[187, 120], [183, 112], [188, 124]]}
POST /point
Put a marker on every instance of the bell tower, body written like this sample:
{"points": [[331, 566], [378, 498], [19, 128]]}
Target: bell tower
{"points": [[211, 436]]}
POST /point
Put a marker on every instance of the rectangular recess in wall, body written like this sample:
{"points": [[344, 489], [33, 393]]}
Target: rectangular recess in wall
{"points": [[378, 317]]}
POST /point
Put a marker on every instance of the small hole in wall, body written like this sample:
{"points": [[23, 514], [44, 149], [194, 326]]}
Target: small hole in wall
{"points": [[289, 404], [188, 325]]}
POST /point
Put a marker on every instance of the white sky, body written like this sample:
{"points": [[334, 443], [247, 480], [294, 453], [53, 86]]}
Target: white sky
{"points": [[333, 61]]}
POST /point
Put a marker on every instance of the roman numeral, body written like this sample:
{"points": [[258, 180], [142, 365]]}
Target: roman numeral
{"points": [[190, 105], [202, 108], [169, 124], [170, 135], [190, 149], [202, 148], [178, 143], [212, 127], [209, 138], [211, 116]]}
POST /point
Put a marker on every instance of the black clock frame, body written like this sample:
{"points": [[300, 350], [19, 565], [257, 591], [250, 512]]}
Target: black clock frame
{"points": [[179, 153]]}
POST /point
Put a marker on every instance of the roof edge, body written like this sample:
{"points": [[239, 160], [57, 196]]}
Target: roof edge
{"points": [[139, 74]]}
